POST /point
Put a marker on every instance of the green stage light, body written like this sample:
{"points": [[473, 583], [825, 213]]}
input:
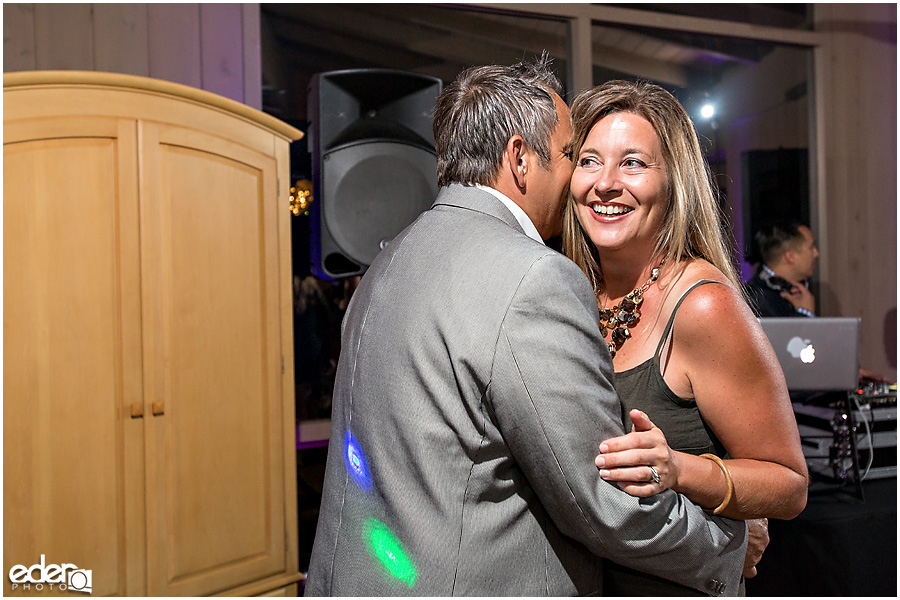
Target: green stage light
{"points": [[389, 551]]}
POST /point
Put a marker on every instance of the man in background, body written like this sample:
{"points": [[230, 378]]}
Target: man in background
{"points": [[780, 286]]}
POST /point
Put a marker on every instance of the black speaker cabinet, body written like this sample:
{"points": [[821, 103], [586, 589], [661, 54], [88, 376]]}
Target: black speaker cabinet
{"points": [[775, 188], [373, 163]]}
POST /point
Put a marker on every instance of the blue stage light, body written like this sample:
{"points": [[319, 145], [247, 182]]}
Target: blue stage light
{"points": [[356, 463]]}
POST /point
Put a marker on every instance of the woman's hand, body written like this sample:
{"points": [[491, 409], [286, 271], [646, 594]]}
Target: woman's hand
{"points": [[641, 462]]}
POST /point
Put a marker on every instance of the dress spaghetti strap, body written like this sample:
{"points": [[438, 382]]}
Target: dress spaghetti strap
{"points": [[668, 330]]}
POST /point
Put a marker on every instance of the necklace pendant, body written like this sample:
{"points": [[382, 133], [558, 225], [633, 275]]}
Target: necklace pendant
{"points": [[625, 314], [619, 335]]}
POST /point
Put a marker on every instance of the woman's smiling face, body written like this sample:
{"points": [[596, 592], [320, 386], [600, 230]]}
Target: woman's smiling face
{"points": [[619, 185]]}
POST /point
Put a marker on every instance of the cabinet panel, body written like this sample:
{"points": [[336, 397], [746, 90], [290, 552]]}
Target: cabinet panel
{"points": [[210, 266], [71, 361], [148, 408]]}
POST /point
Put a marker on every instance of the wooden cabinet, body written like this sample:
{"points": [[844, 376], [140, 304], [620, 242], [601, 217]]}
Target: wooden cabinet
{"points": [[148, 410]]}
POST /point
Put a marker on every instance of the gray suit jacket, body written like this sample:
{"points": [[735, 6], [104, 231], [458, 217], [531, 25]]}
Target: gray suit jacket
{"points": [[472, 392]]}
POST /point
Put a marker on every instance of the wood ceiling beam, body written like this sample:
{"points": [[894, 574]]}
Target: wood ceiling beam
{"points": [[629, 16], [359, 21], [447, 54], [488, 30], [467, 39], [366, 50]]}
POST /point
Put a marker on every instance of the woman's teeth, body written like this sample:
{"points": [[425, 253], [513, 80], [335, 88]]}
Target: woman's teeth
{"points": [[610, 210]]}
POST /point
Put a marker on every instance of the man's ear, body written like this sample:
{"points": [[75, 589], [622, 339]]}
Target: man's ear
{"points": [[517, 158], [790, 256]]}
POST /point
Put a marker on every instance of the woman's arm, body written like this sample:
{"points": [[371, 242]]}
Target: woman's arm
{"points": [[758, 529], [723, 359]]}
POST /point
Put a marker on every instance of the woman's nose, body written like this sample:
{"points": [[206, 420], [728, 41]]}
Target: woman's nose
{"points": [[606, 181]]}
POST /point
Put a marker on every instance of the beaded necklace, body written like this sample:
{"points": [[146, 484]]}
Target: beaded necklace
{"points": [[624, 314]]}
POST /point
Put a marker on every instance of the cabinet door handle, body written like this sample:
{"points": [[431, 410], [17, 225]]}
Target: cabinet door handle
{"points": [[137, 410], [158, 409]]}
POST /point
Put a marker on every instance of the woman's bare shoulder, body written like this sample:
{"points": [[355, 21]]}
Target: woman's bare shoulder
{"points": [[712, 305]]}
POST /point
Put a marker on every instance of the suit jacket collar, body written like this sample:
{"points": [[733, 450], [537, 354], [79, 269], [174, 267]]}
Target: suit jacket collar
{"points": [[470, 198]]}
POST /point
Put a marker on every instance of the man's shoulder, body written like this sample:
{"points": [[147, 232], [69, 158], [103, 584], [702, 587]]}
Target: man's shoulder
{"points": [[756, 288], [755, 282], [766, 302]]}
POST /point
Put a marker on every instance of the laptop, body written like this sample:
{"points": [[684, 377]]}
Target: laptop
{"points": [[816, 353]]}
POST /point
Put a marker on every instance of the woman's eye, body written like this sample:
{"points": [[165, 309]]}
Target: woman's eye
{"points": [[634, 163], [587, 161]]}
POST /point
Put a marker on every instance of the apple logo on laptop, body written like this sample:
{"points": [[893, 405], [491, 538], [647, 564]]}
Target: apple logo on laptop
{"points": [[802, 349]]}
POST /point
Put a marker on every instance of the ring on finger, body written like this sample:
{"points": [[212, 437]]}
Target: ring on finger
{"points": [[654, 475]]}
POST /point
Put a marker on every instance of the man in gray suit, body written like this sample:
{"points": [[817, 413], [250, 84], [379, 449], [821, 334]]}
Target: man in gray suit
{"points": [[474, 388]]}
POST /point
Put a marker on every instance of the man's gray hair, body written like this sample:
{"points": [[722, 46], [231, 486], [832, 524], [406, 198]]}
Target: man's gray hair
{"points": [[476, 115]]}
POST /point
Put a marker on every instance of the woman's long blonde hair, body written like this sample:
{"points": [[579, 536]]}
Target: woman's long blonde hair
{"points": [[694, 226]]}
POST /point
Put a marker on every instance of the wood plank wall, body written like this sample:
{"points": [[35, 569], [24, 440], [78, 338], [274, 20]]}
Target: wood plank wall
{"points": [[857, 210], [215, 47], [776, 122]]}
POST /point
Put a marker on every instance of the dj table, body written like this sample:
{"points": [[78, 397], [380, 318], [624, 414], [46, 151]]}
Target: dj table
{"points": [[838, 546], [845, 542]]}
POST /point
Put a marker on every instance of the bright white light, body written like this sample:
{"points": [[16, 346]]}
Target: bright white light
{"points": [[707, 111]]}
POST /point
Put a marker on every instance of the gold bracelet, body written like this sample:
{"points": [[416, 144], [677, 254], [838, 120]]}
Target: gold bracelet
{"points": [[728, 482]]}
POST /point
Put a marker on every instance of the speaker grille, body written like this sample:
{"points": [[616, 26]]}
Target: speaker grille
{"points": [[377, 189], [374, 168]]}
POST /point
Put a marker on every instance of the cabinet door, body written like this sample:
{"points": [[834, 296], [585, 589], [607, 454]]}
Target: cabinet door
{"points": [[72, 454], [213, 365]]}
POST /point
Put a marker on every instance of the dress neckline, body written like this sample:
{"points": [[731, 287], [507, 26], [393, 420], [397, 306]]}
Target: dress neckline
{"points": [[654, 360]]}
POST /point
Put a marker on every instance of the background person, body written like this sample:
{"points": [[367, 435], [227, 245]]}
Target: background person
{"points": [[644, 226], [780, 286], [472, 389]]}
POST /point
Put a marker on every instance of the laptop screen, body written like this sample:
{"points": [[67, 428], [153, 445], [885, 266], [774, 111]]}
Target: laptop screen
{"points": [[816, 354]]}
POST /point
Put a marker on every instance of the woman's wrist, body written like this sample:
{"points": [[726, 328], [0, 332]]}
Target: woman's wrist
{"points": [[729, 483], [676, 463], [700, 479]]}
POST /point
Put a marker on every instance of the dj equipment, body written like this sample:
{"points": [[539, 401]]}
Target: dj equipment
{"points": [[856, 439], [820, 354]]}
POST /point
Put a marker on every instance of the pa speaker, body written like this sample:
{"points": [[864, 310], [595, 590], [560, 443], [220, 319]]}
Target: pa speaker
{"points": [[775, 187], [373, 162]]}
